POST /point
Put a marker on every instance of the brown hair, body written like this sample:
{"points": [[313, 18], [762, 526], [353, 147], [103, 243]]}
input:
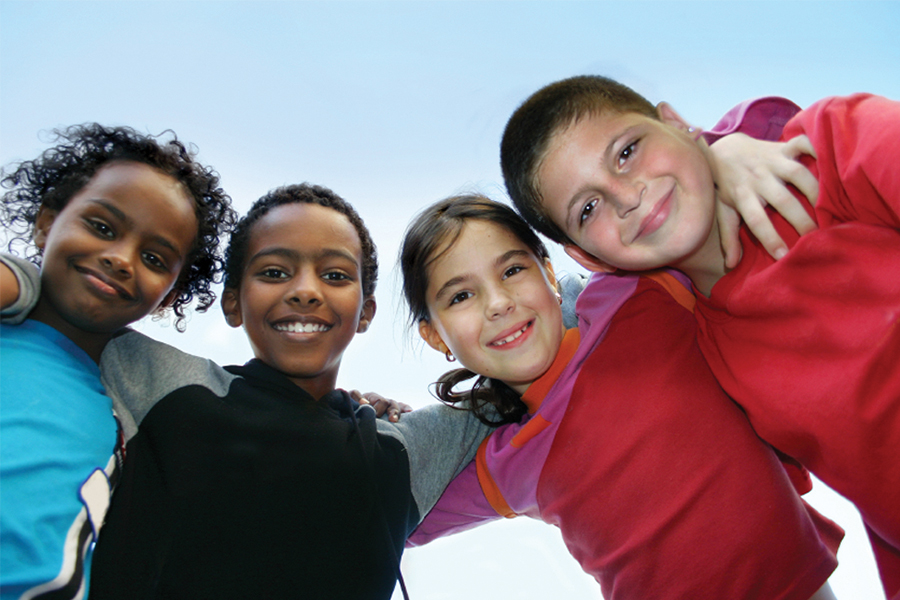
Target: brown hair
{"points": [[545, 113], [428, 237]]}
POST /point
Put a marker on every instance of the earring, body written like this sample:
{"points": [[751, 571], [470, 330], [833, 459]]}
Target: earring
{"points": [[449, 356], [559, 298]]}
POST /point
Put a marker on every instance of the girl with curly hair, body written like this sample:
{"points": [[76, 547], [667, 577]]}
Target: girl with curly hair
{"points": [[123, 225]]}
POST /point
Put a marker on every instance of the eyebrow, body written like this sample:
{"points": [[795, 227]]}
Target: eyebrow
{"points": [[117, 213], [606, 152], [291, 254], [506, 256]]}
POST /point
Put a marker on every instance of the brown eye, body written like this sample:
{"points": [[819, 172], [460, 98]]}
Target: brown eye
{"points": [[101, 228], [588, 209], [626, 153]]}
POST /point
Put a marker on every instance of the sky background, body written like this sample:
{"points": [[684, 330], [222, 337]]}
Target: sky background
{"points": [[395, 105]]}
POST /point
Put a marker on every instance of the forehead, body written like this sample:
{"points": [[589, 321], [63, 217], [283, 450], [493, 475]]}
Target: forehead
{"points": [[587, 136], [307, 229], [478, 243], [137, 182], [144, 198]]}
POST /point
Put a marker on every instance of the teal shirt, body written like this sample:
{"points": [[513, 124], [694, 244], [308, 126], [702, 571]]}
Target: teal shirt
{"points": [[57, 438]]}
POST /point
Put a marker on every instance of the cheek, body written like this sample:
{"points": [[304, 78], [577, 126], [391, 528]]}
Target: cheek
{"points": [[456, 334]]}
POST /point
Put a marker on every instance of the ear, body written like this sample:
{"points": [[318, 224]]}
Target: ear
{"points": [[432, 337], [588, 261], [42, 225], [231, 307], [670, 117], [367, 314]]}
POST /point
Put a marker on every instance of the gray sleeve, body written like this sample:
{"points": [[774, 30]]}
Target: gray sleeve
{"points": [[29, 278], [440, 441], [139, 371], [570, 286]]}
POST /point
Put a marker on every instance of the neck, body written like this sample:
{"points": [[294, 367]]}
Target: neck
{"points": [[707, 265], [317, 387], [91, 342]]}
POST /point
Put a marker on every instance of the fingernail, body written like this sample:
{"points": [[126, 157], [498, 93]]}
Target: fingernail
{"points": [[780, 253]]}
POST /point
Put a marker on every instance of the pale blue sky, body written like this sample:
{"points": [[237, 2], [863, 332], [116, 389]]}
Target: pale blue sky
{"points": [[397, 104]]}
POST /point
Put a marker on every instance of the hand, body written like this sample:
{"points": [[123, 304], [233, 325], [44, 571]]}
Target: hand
{"points": [[381, 404], [9, 286], [751, 174]]}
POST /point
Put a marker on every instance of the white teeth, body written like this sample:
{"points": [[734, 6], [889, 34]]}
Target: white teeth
{"points": [[302, 327], [514, 336]]}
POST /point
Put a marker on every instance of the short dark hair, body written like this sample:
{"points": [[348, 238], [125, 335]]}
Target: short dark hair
{"points": [[51, 180], [432, 233], [236, 253], [545, 113]]}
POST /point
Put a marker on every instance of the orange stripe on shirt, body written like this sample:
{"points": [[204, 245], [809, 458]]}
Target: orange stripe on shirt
{"points": [[536, 425], [489, 486], [536, 392], [679, 292]]}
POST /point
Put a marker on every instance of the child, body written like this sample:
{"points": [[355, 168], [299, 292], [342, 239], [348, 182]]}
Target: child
{"points": [[263, 480], [656, 480], [124, 225], [808, 345]]}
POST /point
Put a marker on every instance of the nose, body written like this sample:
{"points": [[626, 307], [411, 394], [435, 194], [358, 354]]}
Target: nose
{"points": [[499, 303], [117, 260], [305, 289], [628, 196]]}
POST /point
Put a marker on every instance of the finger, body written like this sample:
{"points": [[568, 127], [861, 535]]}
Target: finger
{"points": [[356, 395], [729, 225], [800, 177], [393, 415], [404, 407], [794, 147], [787, 205], [758, 223]]}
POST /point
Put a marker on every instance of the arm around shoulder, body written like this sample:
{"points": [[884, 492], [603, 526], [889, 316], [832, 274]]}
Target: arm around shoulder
{"points": [[20, 285], [138, 371], [440, 441], [857, 143]]}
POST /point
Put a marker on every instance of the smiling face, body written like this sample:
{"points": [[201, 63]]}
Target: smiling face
{"points": [[491, 302], [300, 298], [114, 252], [631, 192]]}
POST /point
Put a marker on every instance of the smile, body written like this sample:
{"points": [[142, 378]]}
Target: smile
{"points": [[512, 337], [296, 327], [104, 285], [656, 217]]}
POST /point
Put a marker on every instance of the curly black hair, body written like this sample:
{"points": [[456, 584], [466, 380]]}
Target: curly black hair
{"points": [[51, 180], [235, 254]]}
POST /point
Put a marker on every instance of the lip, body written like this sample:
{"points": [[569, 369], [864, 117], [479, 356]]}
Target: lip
{"points": [[103, 285], [656, 217], [520, 333], [301, 325]]}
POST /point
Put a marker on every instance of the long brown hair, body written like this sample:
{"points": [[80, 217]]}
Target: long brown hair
{"points": [[432, 233]]}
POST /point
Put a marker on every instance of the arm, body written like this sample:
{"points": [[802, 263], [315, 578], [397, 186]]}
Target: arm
{"points": [[9, 286], [138, 371], [857, 141], [440, 441], [461, 507], [20, 285]]}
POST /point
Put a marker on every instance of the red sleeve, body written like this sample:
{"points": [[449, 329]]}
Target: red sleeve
{"points": [[809, 345], [857, 143]]}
